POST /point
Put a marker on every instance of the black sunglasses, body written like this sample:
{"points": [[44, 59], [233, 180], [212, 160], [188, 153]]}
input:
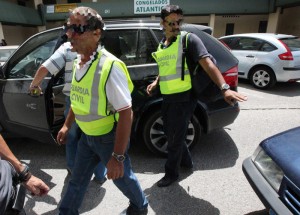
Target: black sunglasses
{"points": [[179, 22], [77, 29]]}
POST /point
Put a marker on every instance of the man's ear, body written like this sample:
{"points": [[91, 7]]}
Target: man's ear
{"points": [[97, 32]]}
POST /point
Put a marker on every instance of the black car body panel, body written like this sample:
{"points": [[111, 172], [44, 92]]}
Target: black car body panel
{"points": [[284, 150], [39, 117]]}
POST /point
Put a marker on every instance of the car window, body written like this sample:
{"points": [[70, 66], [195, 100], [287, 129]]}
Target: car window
{"points": [[146, 45], [28, 65], [132, 46], [292, 43], [5, 53], [245, 43], [159, 34], [267, 47], [123, 44], [232, 42]]}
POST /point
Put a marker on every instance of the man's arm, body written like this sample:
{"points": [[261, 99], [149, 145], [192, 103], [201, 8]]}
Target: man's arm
{"points": [[115, 169], [216, 76], [62, 134], [39, 76], [35, 185]]}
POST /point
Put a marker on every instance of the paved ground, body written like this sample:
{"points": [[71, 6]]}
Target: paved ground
{"points": [[217, 185]]}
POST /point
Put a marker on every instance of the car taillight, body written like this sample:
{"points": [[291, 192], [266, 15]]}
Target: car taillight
{"points": [[286, 55], [231, 77]]}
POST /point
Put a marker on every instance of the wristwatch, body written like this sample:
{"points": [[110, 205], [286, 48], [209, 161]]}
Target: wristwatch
{"points": [[119, 158], [225, 87], [25, 175]]}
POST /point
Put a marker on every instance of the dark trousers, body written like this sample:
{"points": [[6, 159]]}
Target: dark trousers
{"points": [[176, 117]]}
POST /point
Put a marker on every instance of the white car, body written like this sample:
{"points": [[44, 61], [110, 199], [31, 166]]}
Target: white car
{"points": [[266, 58], [5, 53]]}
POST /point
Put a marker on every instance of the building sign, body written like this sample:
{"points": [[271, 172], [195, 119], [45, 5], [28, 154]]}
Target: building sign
{"points": [[149, 6], [64, 8]]}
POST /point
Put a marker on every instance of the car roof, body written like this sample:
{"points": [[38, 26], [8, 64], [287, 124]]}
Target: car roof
{"points": [[149, 24], [261, 35], [130, 23]]}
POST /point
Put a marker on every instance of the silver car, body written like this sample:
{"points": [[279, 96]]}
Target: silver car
{"points": [[6, 52], [266, 58]]}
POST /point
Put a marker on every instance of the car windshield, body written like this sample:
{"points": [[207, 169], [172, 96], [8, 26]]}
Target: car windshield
{"points": [[5, 53], [292, 43]]}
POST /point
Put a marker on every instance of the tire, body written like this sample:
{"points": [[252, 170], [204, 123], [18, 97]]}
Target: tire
{"points": [[262, 77], [155, 139]]}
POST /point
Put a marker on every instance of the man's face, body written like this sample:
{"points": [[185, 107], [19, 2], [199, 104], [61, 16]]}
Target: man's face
{"points": [[80, 40], [172, 25]]}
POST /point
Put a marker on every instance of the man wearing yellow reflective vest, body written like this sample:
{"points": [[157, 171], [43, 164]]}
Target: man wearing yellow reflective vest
{"points": [[101, 105], [178, 101]]}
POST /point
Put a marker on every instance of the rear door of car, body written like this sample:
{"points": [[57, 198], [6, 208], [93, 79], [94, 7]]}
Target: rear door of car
{"points": [[134, 45], [21, 113], [245, 49]]}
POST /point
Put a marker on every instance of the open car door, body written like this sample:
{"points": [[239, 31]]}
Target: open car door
{"points": [[36, 117]]}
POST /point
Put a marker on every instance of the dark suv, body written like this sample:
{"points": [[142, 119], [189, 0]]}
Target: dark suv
{"points": [[41, 117]]}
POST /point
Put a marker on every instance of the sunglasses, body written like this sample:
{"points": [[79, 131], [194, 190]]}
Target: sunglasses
{"points": [[172, 24], [77, 29]]}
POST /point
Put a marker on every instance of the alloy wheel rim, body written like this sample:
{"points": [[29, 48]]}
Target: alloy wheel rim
{"points": [[261, 78], [159, 139]]}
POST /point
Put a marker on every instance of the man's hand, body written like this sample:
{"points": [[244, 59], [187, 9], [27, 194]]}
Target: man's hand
{"points": [[62, 135], [115, 169], [36, 186], [35, 90], [151, 87], [231, 97]]}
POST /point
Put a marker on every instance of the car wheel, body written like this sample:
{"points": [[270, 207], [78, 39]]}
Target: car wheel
{"points": [[156, 140], [262, 77]]}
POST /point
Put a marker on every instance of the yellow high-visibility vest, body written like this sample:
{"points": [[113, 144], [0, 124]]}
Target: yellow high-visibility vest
{"points": [[88, 96], [169, 62]]}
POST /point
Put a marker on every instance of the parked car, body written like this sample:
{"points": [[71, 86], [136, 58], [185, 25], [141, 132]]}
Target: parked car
{"points": [[5, 53], [266, 58], [274, 172], [41, 117]]}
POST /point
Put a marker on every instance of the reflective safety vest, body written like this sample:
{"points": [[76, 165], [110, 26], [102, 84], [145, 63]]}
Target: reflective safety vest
{"points": [[88, 96], [169, 62]]}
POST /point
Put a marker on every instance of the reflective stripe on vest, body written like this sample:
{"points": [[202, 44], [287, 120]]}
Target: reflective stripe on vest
{"points": [[70, 56], [88, 96], [169, 61]]}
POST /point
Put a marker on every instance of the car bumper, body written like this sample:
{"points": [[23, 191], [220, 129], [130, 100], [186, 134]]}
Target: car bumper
{"points": [[288, 74], [221, 117], [263, 189]]}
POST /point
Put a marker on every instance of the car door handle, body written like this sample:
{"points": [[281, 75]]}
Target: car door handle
{"points": [[250, 56], [32, 106]]}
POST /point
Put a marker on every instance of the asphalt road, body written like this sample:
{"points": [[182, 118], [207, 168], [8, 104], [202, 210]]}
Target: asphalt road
{"points": [[217, 185]]}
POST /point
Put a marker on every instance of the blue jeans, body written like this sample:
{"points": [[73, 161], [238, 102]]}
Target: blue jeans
{"points": [[90, 151], [72, 143]]}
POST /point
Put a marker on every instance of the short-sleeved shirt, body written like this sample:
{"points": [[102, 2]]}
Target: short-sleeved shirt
{"points": [[62, 57]]}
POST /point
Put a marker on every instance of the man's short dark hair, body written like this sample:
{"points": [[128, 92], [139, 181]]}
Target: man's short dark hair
{"points": [[168, 9]]}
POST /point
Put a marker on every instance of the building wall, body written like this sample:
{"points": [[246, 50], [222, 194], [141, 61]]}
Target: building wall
{"points": [[289, 22], [16, 35], [242, 23]]}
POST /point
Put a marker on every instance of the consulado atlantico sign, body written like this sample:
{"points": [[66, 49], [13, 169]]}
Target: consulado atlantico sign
{"points": [[149, 6]]}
